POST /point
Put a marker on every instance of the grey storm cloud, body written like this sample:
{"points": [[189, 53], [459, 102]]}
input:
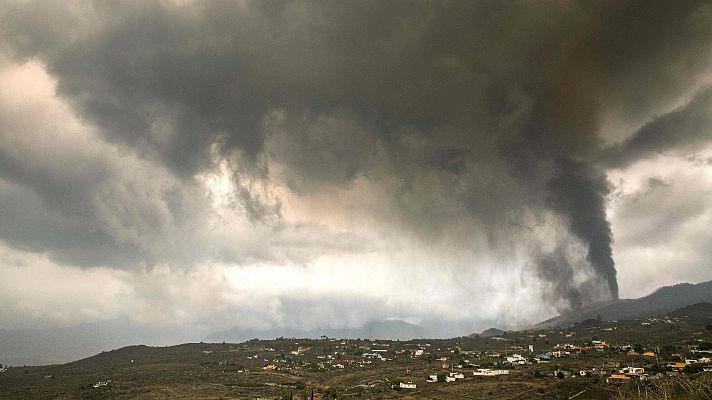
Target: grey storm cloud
{"points": [[462, 111], [684, 128], [28, 224]]}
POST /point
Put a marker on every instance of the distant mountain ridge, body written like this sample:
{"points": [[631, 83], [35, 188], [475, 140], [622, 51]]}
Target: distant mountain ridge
{"points": [[661, 301], [64, 344], [491, 332], [389, 329]]}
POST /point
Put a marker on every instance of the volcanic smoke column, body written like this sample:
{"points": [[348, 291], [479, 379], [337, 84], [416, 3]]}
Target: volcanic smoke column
{"points": [[579, 193]]}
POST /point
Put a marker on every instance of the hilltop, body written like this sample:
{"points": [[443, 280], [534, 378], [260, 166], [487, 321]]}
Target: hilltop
{"points": [[661, 301], [491, 332]]}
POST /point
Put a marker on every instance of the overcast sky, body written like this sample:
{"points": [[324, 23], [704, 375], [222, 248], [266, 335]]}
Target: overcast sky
{"points": [[302, 164]]}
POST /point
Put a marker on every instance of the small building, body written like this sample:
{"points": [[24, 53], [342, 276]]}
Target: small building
{"points": [[490, 372], [618, 379], [409, 385], [676, 366], [632, 371], [516, 359], [457, 375]]}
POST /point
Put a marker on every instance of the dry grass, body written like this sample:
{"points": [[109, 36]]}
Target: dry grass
{"points": [[669, 388]]}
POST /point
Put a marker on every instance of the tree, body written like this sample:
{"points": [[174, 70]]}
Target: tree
{"points": [[442, 376], [693, 369], [332, 393]]}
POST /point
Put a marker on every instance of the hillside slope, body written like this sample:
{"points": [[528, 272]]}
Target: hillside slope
{"points": [[661, 301]]}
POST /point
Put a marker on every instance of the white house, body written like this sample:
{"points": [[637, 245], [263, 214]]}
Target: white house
{"points": [[409, 385], [632, 370], [489, 372], [457, 375], [516, 359]]}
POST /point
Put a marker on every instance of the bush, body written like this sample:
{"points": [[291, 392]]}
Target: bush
{"points": [[332, 393], [693, 369]]}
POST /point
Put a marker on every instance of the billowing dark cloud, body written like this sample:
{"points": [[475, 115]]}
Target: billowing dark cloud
{"points": [[467, 120], [28, 224], [683, 129]]}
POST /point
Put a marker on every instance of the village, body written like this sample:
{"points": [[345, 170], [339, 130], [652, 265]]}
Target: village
{"points": [[591, 359]]}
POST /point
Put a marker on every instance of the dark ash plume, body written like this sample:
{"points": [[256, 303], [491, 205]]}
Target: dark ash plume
{"points": [[579, 193]]}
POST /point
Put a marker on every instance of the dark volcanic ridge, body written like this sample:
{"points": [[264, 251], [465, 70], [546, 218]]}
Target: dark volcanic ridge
{"points": [[662, 301]]}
